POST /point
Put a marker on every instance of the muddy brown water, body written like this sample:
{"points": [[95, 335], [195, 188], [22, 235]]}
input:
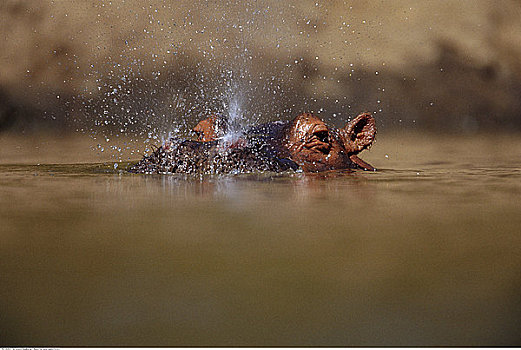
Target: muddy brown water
{"points": [[426, 251]]}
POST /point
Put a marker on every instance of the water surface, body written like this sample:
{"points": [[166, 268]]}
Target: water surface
{"points": [[426, 251]]}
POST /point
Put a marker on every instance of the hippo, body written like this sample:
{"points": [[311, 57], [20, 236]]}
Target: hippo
{"points": [[305, 144]]}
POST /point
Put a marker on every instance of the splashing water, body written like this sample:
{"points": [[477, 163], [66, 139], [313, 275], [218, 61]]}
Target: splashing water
{"points": [[177, 65], [236, 120]]}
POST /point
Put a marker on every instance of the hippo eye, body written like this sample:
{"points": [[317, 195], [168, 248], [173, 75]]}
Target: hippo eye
{"points": [[322, 135]]}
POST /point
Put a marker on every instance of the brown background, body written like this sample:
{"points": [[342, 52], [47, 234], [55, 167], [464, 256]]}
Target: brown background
{"points": [[448, 66]]}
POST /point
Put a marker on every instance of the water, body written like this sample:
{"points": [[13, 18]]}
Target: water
{"points": [[236, 120], [426, 251]]}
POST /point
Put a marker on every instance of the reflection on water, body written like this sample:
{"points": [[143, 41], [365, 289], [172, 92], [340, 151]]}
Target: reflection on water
{"points": [[424, 252]]}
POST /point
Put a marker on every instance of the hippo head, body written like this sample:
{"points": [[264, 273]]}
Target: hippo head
{"points": [[316, 147], [308, 141], [210, 129]]}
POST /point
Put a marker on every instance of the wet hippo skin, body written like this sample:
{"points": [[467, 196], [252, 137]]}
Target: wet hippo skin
{"points": [[305, 143], [316, 147]]}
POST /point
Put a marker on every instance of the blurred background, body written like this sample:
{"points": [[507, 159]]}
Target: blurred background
{"points": [[150, 69]]}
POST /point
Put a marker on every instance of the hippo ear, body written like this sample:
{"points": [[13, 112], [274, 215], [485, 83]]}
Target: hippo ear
{"points": [[359, 134]]}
